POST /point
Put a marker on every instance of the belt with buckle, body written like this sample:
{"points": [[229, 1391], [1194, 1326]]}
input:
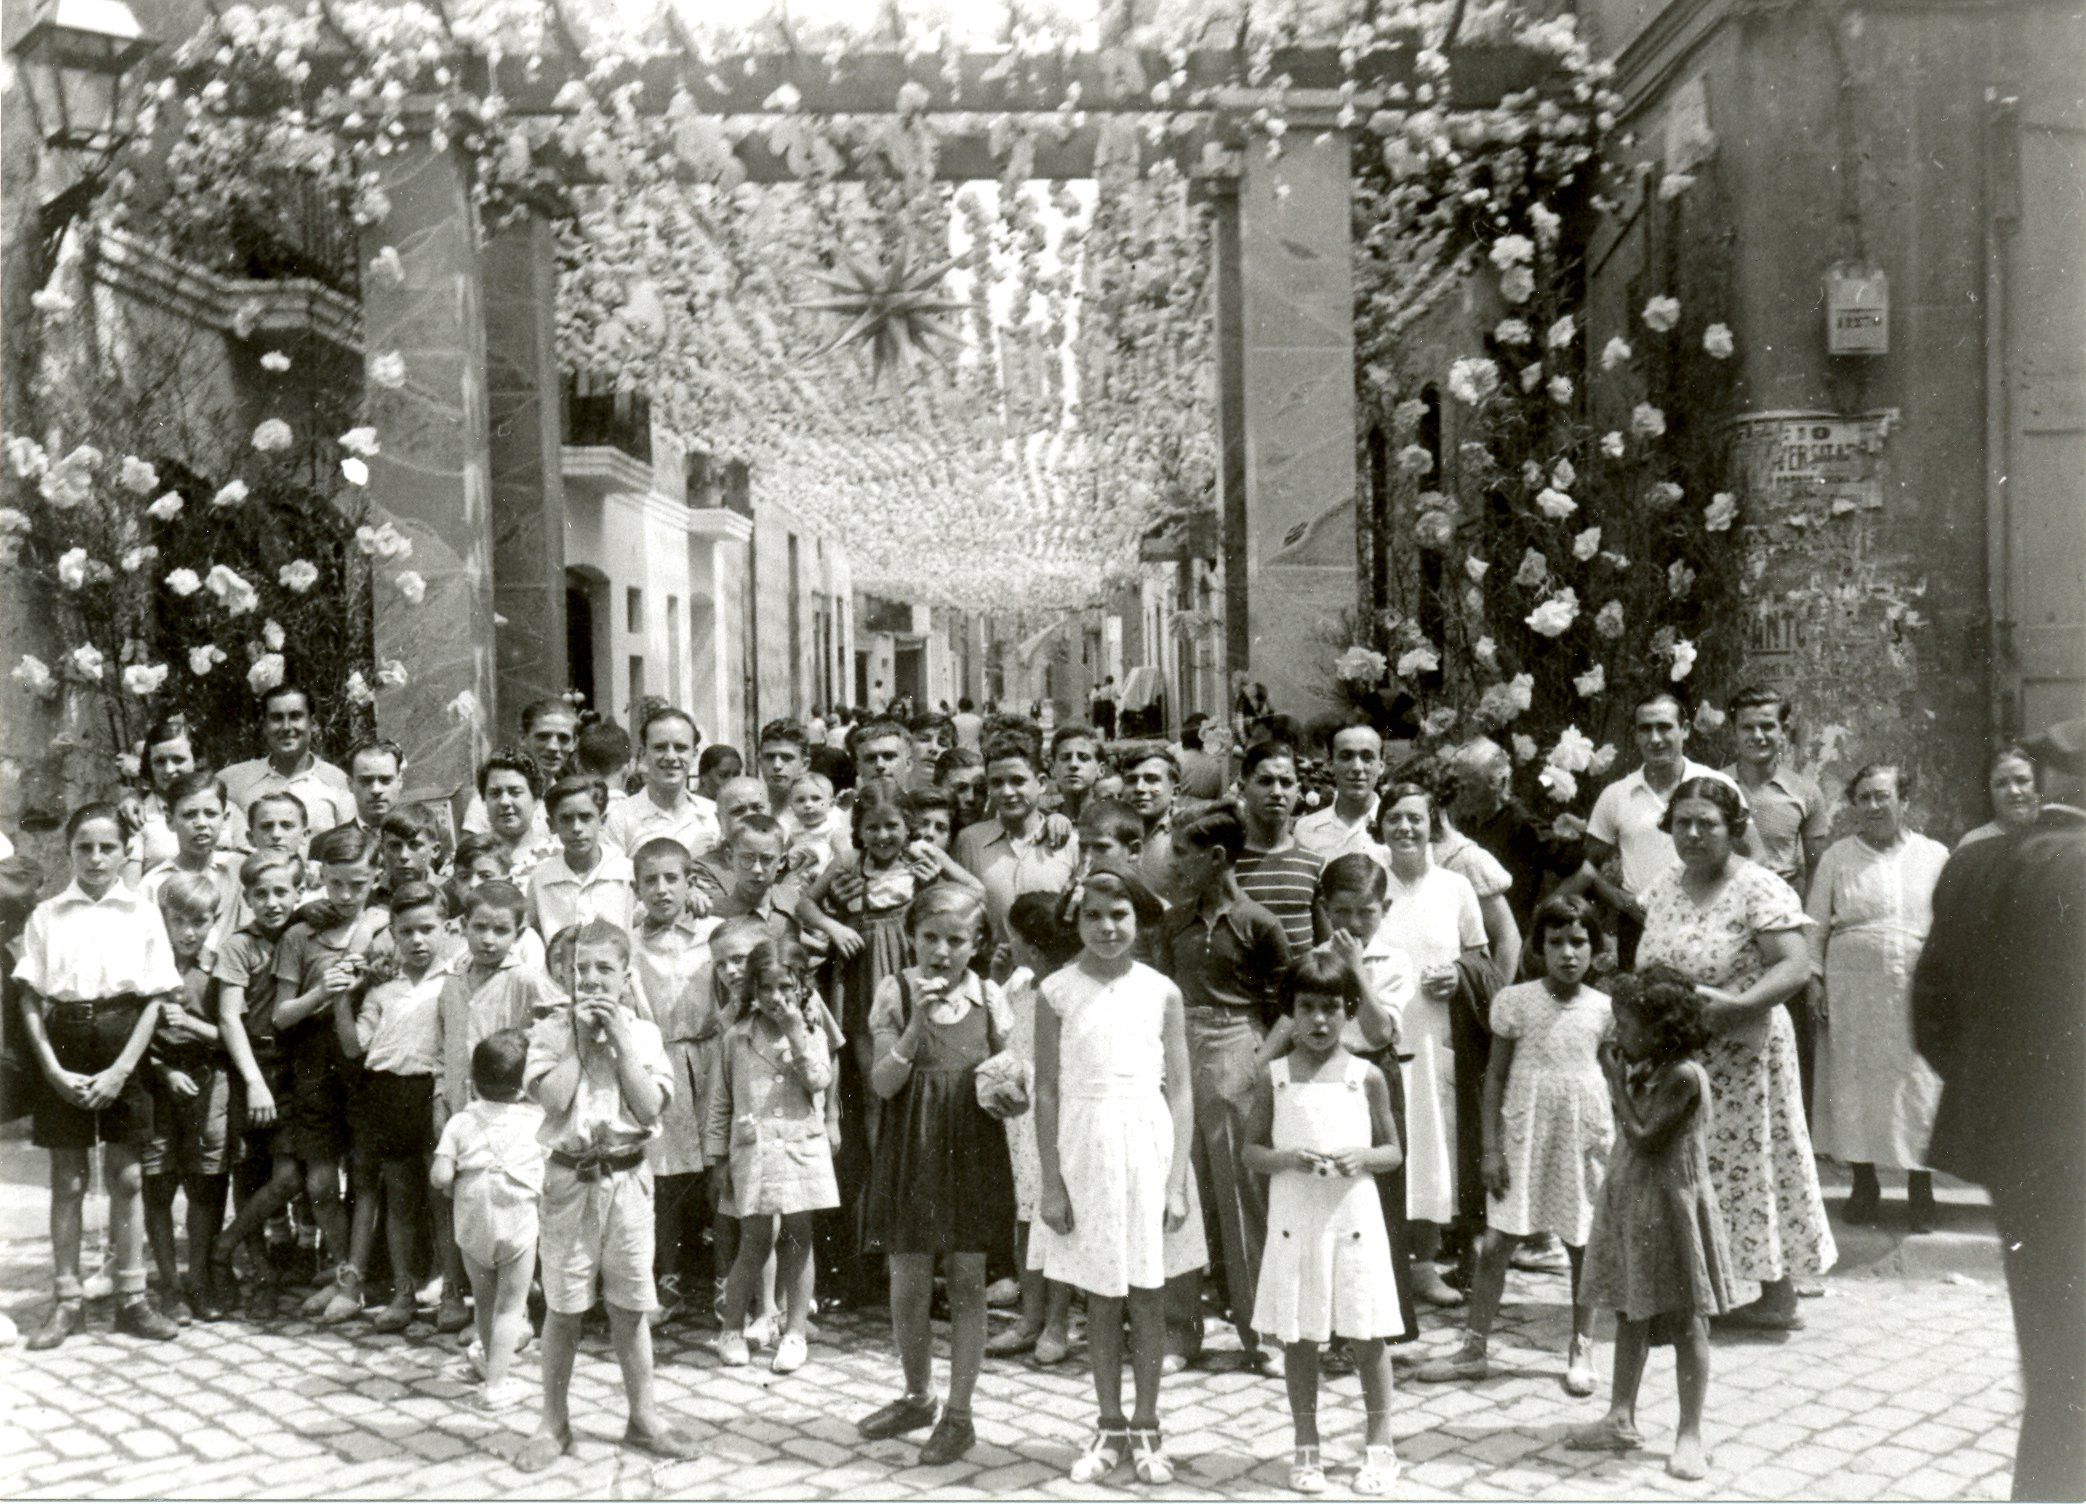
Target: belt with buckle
{"points": [[595, 1166]]}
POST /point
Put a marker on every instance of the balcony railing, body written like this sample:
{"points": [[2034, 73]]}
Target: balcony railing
{"points": [[601, 417]]}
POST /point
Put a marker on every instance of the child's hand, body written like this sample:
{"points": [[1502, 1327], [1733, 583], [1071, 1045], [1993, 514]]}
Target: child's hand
{"points": [[73, 1087], [1495, 1172], [848, 886], [1346, 948], [698, 903], [1056, 1209], [720, 1184], [1347, 1163], [102, 1090], [924, 859], [803, 859], [260, 1104], [180, 1025], [847, 941], [1176, 1208], [1057, 830], [593, 1017], [341, 976], [1439, 983], [180, 1083]]}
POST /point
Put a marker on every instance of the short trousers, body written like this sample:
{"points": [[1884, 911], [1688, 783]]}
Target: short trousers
{"points": [[190, 1134], [391, 1116], [597, 1232], [313, 1113], [262, 1142], [87, 1038]]}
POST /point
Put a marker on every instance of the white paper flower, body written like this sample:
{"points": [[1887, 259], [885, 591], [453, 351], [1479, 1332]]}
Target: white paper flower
{"points": [[386, 263], [1546, 221], [137, 477], [1555, 615], [1666, 493], [1554, 504], [230, 494], [144, 680], [388, 370], [1419, 660], [1683, 660], [1524, 747], [1647, 421], [1512, 250], [1517, 285], [205, 658], [1721, 512], [1360, 665], [272, 635], [411, 586], [1472, 379], [1592, 682], [1416, 459], [1476, 568], [1512, 332], [464, 707], [1661, 314], [1560, 389], [1486, 652], [1531, 376], [72, 569], [1717, 341], [1562, 786], [1438, 720], [184, 582], [273, 434], [1708, 717], [1534, 569], [391, 673], [268, 671], [1562, 333], [357, 689], [361, 441], [298, 575], [70, 481], [1608, 620], [1680, 579], [1434, 529], [1673, 185], [1611, 444], [166, 509], [1573, 752], [275, 361], [1564, 474], [51, 300], [354, 471], [1615, 352], [137, 558], [232, 590], [26, 457], [34, 675], [1585, 545], [1603, 760], [88, 660]]}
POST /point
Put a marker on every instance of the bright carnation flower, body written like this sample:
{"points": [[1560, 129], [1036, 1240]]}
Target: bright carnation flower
{"points": [[184, 582], [267, 672], [1661, 314], [1717, 341], [205, 658], [137, 477], [298, 575], [1555, 615], [273, 434], [1721, 512], [143, 679]]}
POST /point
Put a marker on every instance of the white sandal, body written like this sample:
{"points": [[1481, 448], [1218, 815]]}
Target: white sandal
{"points": [[1306, 1473], [1149, 1454], [1379, 1474], [1103, 1455]]}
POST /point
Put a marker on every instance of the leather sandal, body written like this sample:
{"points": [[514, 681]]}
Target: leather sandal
{"points": [[1306, 1472], [1148, 1454]]}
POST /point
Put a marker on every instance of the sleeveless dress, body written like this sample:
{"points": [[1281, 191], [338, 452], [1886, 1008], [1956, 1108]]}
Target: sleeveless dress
{"points": [[1326, 1270], [941, 1181], [1115, 1138]]}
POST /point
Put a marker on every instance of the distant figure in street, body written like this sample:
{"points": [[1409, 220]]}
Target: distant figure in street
{"points": [[970, 726], [1104, 708], [1999, 1010]]}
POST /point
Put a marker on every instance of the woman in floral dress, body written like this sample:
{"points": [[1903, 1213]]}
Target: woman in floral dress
{"points": [[1738, 930]]}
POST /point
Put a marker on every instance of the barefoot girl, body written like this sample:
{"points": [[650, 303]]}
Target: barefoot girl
{"points": [[941, 1186], [1115, 1126], [1657, 1257], [1321, 1130]]}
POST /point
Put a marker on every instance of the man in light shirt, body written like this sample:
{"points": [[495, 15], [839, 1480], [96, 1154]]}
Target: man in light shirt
{"points": [[1791, 818], [291, 766], [664, 807], [1348, 824]]}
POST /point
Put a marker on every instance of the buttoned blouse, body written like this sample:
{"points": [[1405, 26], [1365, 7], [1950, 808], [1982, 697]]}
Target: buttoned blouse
{"points": [[560, 897], [757, 1085]]}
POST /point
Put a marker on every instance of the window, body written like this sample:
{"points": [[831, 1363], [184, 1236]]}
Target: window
{"points": [[634, 609], [637, 683]]}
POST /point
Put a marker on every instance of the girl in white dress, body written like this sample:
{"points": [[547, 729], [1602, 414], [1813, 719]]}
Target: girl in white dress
{"points": [[1117, 1215], [1321, 1129]]}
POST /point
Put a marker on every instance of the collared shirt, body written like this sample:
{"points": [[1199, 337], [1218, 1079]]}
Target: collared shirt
{"points": [[78, 949], [638, 819], [397, 1025], [776, 908], [970, 727], [470, 1008], [1326, 834], [597, 1120], [1010, 866], [758, 1087], [156, 842], [306, 951], [559, 897], [478, 821], [247, 962], [1787, 807], [1232, 961], [323, 789], [671, 964], [1626, 816], [1393, 982], [1285, 883], [232, 912]]}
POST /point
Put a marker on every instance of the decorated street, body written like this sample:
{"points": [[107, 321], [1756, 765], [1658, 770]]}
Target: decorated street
{"points": [[1903, 1385]]}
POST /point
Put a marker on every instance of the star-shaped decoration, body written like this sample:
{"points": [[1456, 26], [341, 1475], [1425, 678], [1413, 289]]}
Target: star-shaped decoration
{"points": [[893, 310]]}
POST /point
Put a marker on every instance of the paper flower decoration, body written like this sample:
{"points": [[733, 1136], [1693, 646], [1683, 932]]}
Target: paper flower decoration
{"points": [[1721, 512], [1592, 682], [166, 509], [144, 680], [1717, 341], [184, 582], [267, 672], [88, 660], [272, 434], [1360, 665], [298, 575], [72, 568], [893, 311], [1661, 314], [205, 658], [137, 477], [34, 675], [230, 494]]}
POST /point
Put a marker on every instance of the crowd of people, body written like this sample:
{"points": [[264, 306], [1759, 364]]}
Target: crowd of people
{"points": [[946, 1008]]}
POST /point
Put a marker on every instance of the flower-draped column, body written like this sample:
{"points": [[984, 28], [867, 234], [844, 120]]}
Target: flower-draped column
{"points": [[1297, 355], [424, 331], [528, 492]]}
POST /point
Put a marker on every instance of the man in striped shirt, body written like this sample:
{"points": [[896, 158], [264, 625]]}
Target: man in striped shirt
{"points": [[1275, 872]]}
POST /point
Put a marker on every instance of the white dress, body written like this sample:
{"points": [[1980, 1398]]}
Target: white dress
{"points": [[1022, 1153], [1433, 920], [1115, 1138], [1556, 1127], [1876, 1096], [1326, 1271]]}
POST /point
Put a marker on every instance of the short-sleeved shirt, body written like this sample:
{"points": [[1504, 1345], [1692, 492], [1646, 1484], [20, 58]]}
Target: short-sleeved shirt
{"points": [[323, 789], [1285, 883], [639, 819], [597, 1120], [248, 962], [232, 912], [1785, 809], [1010, 866], [470, 1009], [560, 897], [396, 1025], [1233, 962], [1325, 834], [670, 963], [1627, 815], [79, 949]]}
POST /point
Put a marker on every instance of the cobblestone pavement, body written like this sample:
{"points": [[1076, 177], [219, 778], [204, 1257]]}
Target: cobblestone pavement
{"points": [[1903, 1385]]}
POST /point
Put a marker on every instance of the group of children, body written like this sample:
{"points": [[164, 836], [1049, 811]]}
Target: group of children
{"points": [[637, 1054]]}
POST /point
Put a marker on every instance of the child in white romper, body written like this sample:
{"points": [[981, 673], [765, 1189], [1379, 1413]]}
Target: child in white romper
{"points": [[1321, 1130]]}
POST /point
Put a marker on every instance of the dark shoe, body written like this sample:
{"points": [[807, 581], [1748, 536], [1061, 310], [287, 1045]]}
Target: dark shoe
{"points": [[261, 1303], [1919, 1201], [452, 1315], [395, 1317], [174, 1306], [203, 1301], [1336, 1358], [672, 1444], [68, 1319], [136, 1318], [540, 1451], [897, 1418], [1861, 1210], [1757, 1316], [951, 1439]]}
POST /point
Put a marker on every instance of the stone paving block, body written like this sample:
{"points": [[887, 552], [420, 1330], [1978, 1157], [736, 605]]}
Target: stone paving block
{"points": [[75, 1441]]}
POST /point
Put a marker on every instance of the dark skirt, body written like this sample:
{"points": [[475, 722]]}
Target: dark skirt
{"points": [[1390, 1191], [391, 1116], [87, 1038], [942, 1182]]}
